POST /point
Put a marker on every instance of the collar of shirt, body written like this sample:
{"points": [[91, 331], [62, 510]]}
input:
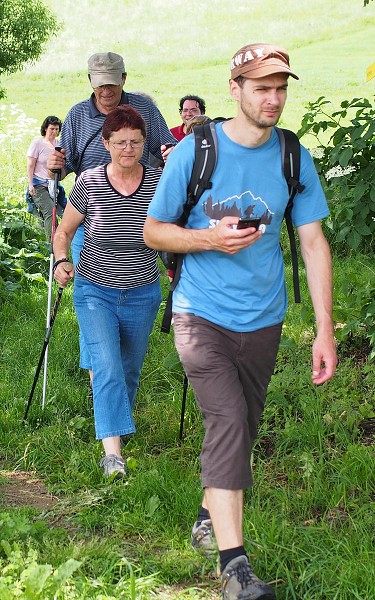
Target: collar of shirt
{"points": [[94, 112]]}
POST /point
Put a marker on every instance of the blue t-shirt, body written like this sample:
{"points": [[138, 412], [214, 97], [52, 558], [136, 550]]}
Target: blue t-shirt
{"points": [[245, 291]]}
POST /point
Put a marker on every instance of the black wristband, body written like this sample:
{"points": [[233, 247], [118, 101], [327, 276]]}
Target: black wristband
{"points": [[57, 262]]}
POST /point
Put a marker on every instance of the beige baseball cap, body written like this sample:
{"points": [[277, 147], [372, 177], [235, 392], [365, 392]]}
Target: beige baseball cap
{"points": [[259, 60], [106, 68]]}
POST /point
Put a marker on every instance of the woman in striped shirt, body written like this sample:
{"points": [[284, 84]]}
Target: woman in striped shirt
{"points": [[117, 289]]}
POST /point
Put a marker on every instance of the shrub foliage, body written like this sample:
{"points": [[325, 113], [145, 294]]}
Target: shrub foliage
{"points": [[346, 167], [25, 27]]}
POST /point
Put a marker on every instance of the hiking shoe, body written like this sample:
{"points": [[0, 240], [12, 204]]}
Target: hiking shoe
{"points": [[239, 582], [113, 465], [202, 537]]}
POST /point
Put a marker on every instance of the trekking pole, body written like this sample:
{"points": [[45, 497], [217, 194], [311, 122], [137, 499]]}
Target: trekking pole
{"points": [[45, 346], [57, 173], [183, 405]]}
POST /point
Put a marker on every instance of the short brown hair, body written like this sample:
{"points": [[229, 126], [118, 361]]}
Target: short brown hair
{"points": [[123, 116]]}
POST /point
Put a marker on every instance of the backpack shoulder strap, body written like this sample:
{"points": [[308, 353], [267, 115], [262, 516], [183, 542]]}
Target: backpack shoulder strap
{"points": [[291, 160], [291, 165], [204, 165], [87, 144]]}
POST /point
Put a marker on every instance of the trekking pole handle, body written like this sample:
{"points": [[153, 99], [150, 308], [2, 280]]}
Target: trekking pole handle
{"points": [[58, 171]]}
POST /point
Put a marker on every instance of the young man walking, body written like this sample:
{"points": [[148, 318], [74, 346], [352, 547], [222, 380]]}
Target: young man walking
{"points": [[230, 301]]}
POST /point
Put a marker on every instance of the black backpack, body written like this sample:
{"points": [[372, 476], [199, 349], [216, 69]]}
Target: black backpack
{"points": [[204, 166]]}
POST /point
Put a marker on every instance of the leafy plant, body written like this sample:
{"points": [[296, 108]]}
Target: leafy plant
{"points": [[22, 576], [17, 48], [18, 264], [346, 165]]}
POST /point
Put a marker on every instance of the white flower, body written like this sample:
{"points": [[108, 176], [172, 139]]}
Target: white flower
{"points": [[338, 171]]}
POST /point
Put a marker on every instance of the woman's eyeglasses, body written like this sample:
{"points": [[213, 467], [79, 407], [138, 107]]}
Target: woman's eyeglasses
{"points": [[123, 145]]}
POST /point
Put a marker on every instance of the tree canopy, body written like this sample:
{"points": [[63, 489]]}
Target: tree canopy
{"points": [[25, 27]]}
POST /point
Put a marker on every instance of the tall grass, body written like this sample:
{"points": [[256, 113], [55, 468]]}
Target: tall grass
{"points": [[309, 519]]}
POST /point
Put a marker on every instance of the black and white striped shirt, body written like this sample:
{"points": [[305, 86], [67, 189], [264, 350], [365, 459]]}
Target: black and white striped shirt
{"points": [[114, 253]]}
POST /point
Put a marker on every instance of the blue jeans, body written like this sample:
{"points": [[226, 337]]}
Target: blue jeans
{"points": [[77, 244], [115, 325]]}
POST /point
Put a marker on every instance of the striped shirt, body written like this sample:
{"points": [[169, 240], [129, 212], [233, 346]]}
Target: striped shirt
{"points": [[114, 253], [82, 128]]}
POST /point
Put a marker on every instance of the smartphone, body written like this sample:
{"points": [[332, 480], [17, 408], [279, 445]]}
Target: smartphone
{"points": [[245, 223], [168, 146]]}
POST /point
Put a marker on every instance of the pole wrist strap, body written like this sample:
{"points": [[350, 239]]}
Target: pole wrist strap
{"points": [[57, 262]]}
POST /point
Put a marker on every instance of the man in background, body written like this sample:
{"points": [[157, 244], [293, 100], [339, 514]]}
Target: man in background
{"points": [[81, 132], [190, 106]]}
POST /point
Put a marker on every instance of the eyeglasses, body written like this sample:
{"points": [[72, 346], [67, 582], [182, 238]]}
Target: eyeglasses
{"points": [[123, 145], [195, 111]]}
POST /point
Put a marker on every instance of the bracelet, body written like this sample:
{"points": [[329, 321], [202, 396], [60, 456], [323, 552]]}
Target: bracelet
{"points": [[57, 262]]}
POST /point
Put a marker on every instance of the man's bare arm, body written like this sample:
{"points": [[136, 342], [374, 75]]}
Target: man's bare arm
{"points": [[317, 258], [223, 237]]}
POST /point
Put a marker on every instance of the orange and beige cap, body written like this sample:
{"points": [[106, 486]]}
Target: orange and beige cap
{"points": [[260, 60]]}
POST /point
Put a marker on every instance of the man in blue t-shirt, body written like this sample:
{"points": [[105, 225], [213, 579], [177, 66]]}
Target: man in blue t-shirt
{"points": [[230, 301]]}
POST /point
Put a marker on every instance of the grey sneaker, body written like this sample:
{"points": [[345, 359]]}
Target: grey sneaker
{"points": [[113, 464], [202, 538], [239, 582]]}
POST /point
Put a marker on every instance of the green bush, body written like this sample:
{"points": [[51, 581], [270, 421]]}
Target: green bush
{"points": [[346, 166], [18, 47], [23, 252]]}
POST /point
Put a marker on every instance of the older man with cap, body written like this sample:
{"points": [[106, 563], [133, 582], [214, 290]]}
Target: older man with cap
{"points": [[81, 132], [230, 301], [81, 135]]}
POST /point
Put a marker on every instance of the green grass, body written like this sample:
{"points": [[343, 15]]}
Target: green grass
{"points": [[171, 49], [309, 519]]}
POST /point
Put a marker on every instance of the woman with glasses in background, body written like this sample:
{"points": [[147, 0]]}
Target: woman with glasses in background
{"points": [[117, 289]]}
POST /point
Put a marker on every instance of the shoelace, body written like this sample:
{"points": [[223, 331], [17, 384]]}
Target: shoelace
{"points": [[243, 573], [114, 461], [205, 528]]}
